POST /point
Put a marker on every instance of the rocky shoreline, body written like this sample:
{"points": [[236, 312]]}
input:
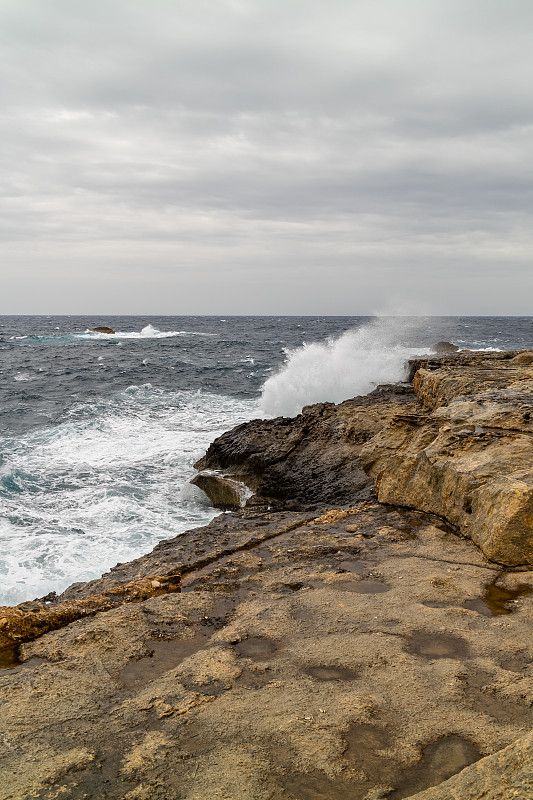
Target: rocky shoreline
{"points": [[358, 626]]}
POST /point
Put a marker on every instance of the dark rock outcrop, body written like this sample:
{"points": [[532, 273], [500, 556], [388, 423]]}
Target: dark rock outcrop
{"points": [[306, 460], [103, 329]]}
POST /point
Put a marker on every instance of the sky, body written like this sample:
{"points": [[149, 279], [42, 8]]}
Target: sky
{"points": [[266, 157]]}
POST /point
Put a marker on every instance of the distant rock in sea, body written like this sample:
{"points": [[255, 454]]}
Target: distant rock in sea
{"points": [[444, 347], [103, 329]]}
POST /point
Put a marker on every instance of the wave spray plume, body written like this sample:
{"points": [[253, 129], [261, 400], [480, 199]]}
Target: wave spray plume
{"points": [[335, 370]]}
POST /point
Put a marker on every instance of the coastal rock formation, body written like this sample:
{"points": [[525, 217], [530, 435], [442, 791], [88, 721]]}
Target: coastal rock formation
{"points": [[359, 653], [444, 347], [467, 454], [462, 449], [335, 645], [303, 461], [103, 329]]}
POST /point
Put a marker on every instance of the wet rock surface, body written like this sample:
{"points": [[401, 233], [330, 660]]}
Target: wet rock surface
{"points": [[304, 461], [333, 646], [267, 676]]}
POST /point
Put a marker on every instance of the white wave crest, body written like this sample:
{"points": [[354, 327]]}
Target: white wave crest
{"points": [[337, 369], [148, 332]]}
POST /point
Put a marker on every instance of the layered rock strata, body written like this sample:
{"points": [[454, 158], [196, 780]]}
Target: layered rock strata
{"points": [[467, 452], [458, 442]]}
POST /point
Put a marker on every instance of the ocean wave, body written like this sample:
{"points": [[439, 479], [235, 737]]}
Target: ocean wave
{"points": [[148, 332], [104, 485], [337, 369]]}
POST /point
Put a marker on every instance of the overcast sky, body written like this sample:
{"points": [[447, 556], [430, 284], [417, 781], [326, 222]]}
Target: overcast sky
{"points": [[266, 156]]}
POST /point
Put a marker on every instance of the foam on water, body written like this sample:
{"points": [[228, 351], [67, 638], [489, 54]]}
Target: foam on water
{"points": [[337, 369], [104, 485], [148, 332]]}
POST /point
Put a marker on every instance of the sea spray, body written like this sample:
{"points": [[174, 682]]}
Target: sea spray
{"points": [[339, 368]]}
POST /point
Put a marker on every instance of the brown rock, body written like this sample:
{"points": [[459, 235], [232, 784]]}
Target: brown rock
{"points": [[224, 491], [103, 329], [506, 775], [444, 347], [470, 459]]}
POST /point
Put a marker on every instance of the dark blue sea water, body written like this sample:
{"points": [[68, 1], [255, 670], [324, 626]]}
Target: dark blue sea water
{"points": [[98, 433]]}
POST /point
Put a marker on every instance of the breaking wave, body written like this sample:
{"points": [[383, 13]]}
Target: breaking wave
{"points": [[148, 332], [337, 369]]}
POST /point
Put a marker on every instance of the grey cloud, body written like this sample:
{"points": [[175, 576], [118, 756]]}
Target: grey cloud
{"points": [[288, 138]]}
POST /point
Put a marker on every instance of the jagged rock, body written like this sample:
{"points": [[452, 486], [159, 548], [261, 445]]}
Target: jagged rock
{"points": [[309, 459], [103, 329], [444, 347], [468, 461]]}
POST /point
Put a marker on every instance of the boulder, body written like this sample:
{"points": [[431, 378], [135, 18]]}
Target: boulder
{"points": [[444, 347], [103, 329], [224, 491], [524, 358]]}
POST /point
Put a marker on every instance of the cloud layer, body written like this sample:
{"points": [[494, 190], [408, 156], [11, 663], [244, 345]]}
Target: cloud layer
{"points": [[257, 156]]}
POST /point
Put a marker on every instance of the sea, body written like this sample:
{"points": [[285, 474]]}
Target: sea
{"points": [[99, 432]]}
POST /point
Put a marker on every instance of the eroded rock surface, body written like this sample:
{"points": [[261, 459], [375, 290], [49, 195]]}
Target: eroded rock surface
{"points": [[326, 656], [307, 460], [467, 453]]}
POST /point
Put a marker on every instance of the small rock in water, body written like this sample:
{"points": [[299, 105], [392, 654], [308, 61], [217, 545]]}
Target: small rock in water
{"points": [[444, 347], [103, 329]]}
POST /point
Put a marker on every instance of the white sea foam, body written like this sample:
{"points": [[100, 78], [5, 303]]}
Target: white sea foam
{"points": [[334, 370], [25, 376], [148, 332], [105, 485]]}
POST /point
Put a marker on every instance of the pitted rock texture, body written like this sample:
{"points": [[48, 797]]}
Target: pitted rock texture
{"points": [[335, 656]]}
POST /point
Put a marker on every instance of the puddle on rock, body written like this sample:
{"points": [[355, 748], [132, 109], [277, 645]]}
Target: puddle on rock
{"points": [[166, 654], [515, 662], [257, 648], [363, 740], [249, 679], [326, 673], [10, 661], [362, 587], [498, 600], [365, 743], [439, 762], [9, 658], [352, 566], [438, 645]]}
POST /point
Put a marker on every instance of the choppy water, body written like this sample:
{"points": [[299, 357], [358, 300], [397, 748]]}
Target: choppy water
{"points": [[98, 433]]}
